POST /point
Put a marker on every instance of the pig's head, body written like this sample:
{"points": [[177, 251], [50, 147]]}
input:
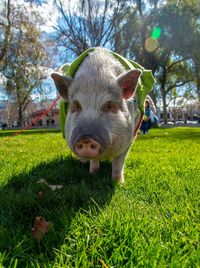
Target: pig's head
{"points": [[99, 123]]}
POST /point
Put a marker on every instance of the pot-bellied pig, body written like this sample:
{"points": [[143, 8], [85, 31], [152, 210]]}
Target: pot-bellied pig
{"points": [[102, 111]]}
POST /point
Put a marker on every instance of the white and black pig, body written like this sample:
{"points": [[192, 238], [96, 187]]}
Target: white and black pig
{"points": [[102, 113]]}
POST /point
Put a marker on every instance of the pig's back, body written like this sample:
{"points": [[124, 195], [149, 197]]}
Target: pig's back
{"points": [[100, 64]]}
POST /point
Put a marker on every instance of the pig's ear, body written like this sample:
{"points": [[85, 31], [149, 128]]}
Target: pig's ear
{"points": [[62, 83], [128, 83]]}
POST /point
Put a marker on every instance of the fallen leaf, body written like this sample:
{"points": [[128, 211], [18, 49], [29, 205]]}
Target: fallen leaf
{"points": [[41, 227], [55, 187], [42, 181], [40, 194], [51, 186]]}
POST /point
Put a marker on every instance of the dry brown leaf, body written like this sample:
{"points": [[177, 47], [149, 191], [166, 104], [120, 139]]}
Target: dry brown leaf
{"points": [[55, 187], [51, 186], [41, 227], [40, 194]]}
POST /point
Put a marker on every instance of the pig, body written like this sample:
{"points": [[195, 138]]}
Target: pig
{"points": [[103, 110]]}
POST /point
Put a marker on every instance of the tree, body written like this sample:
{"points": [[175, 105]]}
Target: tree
{"points": [[173, 75], [5, 29], [89, 23], [175, 66], [196, 62], [135, 25], [197, 75], [178, 23], [23, 59]]}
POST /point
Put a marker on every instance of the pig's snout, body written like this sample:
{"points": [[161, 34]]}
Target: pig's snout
{"points": [[87, 148]]}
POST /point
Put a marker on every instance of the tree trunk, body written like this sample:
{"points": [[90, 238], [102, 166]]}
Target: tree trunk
{"points": [[164, 108], [20, 116], [153, 96], [198, 88], [163, 91]]}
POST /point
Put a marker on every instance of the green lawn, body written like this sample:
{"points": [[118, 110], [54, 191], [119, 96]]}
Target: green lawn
{"points": [[153, 220]]}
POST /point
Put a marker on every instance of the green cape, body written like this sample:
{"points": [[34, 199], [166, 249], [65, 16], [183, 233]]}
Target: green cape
{"points": [[145, 83]]}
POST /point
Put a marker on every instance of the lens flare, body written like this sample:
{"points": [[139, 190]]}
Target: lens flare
{"points": [[151, 44], [156, 33]]}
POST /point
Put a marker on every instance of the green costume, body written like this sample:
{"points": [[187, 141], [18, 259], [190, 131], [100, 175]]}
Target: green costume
{"points": [[145, 83]]}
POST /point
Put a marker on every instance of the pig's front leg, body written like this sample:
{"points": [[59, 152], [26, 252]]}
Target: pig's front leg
{"points": [[118, 167], [94, 165]]}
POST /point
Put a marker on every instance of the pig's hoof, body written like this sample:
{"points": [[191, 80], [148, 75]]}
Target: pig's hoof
{"points": [[118, 178], [83, 161], [94, 170], [94, 166]]}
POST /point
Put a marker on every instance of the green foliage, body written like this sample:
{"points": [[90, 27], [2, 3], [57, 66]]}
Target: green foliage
{"points": [[25, 54], [175, 26], [151, 221]]}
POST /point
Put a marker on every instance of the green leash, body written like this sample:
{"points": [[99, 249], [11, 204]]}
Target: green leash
{"points": [[145, 83]]}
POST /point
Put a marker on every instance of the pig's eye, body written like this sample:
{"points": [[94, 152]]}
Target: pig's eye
{"points": [[76, 107], [110, 107]]}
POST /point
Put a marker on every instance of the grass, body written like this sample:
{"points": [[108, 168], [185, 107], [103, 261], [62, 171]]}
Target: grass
{"points": [[153, 220]]}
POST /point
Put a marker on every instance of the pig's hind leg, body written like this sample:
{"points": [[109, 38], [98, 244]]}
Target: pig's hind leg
{"points": [[118, 167], [94, 165]]}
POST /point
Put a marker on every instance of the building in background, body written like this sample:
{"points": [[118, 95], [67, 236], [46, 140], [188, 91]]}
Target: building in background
{"points": [[9, 114], [49, 120], [182, 110]]}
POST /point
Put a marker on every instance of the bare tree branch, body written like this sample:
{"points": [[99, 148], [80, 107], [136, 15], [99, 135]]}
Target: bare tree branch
{"points": [[169, 68], [178, 85], [90, 23]]}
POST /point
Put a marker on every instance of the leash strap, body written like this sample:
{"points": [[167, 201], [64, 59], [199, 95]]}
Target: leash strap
{"points": [[137, 127]]}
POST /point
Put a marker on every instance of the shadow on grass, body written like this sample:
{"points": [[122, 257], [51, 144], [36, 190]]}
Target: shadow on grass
{"points": [[20, 205], [5, 133]]}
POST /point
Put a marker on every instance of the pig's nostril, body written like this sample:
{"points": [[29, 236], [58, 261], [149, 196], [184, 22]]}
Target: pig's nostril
{"points": [[79, 146], [93, 147]]}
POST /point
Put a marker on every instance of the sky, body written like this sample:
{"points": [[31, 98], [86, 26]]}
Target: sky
{"points": [[46, 9]]}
